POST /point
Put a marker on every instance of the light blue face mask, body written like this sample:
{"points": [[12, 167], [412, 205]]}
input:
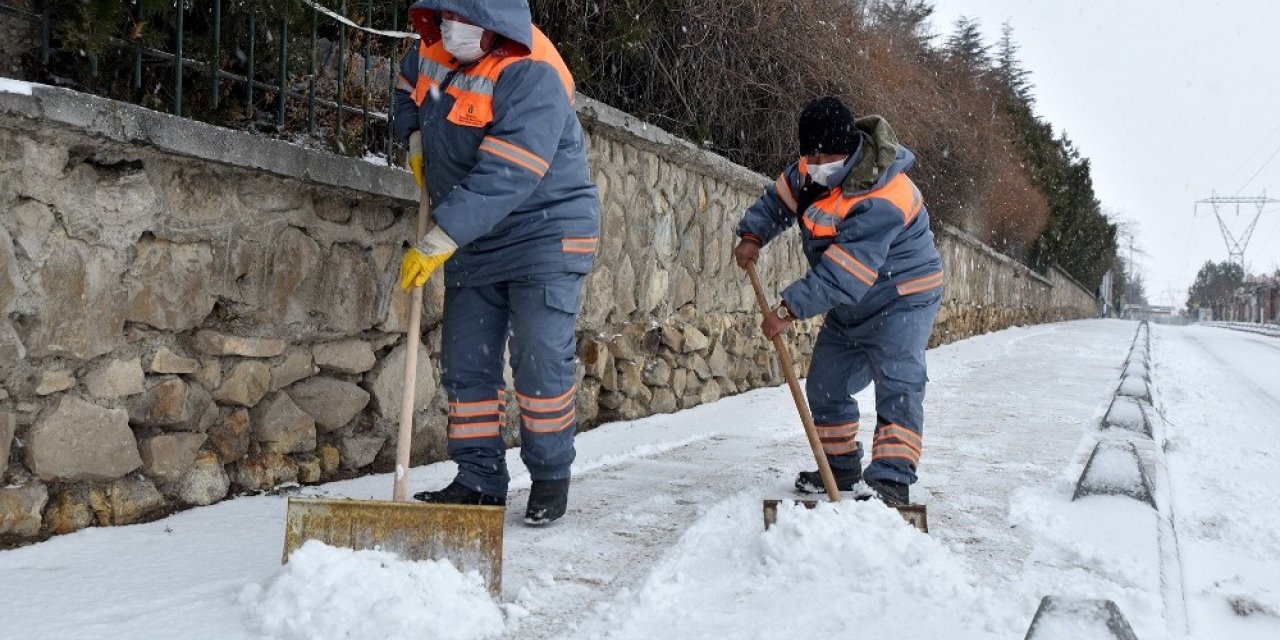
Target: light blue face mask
{"points": [[828, 174]]}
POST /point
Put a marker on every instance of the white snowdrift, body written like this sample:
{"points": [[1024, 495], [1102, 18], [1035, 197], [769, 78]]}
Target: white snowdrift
{"points": [[855, 568], [327, 593]]}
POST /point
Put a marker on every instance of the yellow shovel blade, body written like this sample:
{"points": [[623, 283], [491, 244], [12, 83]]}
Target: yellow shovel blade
{"points": [[469, 536], [914, 514]]}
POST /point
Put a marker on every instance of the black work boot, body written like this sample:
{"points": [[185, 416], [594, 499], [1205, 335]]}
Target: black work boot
{"points": [[548, 500], [457, 493], [894, 494], [811, 481]]}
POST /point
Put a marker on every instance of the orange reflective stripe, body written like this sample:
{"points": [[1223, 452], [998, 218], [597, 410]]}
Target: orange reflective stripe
{"points": [[474, 430], [520, 152], [851, 264], [895, 451], [478, 411], [925, 283], [495, 150], [822, 218], [839, 449], [900, 432], [544, 405], [838, 431], [543, 51], [550, 425], [579, 245], [901, 192], [783, 188]]}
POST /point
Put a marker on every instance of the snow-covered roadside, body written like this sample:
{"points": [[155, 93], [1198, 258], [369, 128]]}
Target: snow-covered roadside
{"points": [[1220, 395], [676, 495]]}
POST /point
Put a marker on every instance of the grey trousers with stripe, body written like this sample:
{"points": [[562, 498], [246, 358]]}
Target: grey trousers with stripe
{"points": [[882, 339], [535, 316]]}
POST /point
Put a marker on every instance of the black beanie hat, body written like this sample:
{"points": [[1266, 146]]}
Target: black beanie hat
{"points": [[826, 126]]}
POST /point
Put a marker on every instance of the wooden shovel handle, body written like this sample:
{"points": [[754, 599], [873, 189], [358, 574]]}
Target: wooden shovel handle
{"points": [[784, 360], [400, 490]]}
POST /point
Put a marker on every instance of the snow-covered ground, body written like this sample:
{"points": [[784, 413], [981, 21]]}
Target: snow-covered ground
{"points": [[664, 537]]}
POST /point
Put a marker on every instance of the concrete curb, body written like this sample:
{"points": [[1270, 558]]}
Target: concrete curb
{"points": [[1058, 618]]}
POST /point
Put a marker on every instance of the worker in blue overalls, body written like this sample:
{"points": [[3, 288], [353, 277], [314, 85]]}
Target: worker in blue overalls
{"points": [[876, 275], [485, 104]]}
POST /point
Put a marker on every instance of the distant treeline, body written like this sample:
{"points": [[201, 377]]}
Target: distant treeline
{"points": [[732, 75]]}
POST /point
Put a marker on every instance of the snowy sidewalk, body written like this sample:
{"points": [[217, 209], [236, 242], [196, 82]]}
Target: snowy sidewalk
{"points": [[664, 536]]}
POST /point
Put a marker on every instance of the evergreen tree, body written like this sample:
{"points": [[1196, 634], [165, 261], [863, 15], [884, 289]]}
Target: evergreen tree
{"points": [[965, 48], [1215, 286]]}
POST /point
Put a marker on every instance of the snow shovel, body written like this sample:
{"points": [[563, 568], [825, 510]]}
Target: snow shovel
{"points": [[914, 514], [469, 536]]}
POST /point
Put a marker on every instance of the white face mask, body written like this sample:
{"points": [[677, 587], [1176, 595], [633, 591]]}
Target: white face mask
{"points": [[462, 40], [825, 174]]}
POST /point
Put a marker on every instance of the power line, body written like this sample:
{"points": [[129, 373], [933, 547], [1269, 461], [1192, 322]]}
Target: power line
{"points": [[1259, 171]]}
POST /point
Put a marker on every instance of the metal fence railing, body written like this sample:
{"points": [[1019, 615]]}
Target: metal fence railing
{"points": [[315, 72]]}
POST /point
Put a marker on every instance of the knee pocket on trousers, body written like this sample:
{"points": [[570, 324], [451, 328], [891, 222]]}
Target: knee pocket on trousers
{"points": [[908, 373], [563, 296]]}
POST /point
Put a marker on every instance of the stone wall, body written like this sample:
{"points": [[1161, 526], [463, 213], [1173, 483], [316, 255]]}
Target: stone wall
{"points": [[988, 291], [189, 313]]}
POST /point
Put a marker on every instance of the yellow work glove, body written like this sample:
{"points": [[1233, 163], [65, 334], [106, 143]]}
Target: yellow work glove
{"points": [[422, 261], [415, 157]]}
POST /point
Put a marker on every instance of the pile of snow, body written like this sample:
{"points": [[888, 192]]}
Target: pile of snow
{"points": [[328, 593], [853, 568]]}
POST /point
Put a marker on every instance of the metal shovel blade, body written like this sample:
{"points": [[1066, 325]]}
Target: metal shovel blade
{"points": [[469, 536], [914, 514]]}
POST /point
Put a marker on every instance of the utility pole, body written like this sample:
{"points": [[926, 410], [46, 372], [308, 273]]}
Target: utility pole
{"points": [[1236, 245]]}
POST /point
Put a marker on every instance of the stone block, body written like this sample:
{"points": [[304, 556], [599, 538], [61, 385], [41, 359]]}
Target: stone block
{"points": [[360, 450], [77, 441], [348, 291], [229, 437], [718, 362], [657, 373], [116, 379], [386, 383], [245, 386], [597, 361], [167, 457], [281, 426], [264, 471], [210, 373], [309, 471], [50, 382], [166, 361], [664, 401], [21, 510], [133, 500], [695, 340], [289, 291], [344, 356], [173, 404], [74, 508], [219, 344], [1079, 619], [329, 457], [297, 365], [1114, 468], [76, 276], [205, 482], [331, 402], [171, 285]]}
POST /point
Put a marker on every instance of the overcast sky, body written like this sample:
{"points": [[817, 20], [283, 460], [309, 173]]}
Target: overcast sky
{"points": [[1171, 101]]}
